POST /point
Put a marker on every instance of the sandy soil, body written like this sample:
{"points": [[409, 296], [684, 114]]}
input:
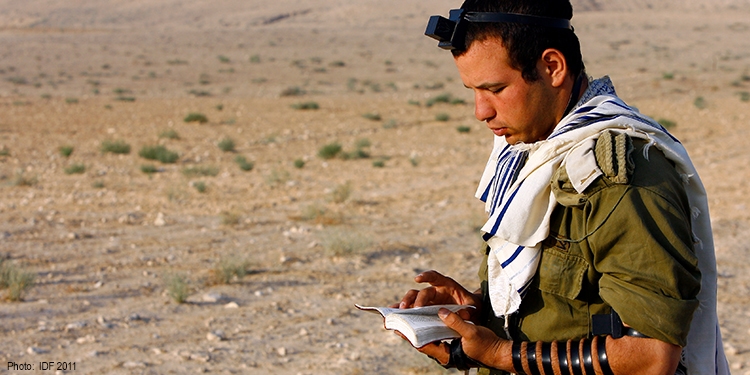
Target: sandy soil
{"points": [[317, 239]]}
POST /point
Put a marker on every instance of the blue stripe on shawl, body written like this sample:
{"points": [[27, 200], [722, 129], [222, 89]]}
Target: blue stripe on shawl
{"points": [[512, 257], [487, 190], [595, 117], [513, 167], [505, 209], [491, 183]]}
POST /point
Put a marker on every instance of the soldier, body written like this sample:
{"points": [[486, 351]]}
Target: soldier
{"points": [[600, 255]]}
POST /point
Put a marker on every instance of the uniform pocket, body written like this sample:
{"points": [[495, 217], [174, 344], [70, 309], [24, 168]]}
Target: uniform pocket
{"points": [[561, 273]]}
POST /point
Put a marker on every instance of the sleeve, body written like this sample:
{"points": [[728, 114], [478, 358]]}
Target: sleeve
{"points": [[642, 246]]}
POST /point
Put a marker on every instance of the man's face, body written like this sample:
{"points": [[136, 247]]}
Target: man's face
{"points": [[518, 110]]}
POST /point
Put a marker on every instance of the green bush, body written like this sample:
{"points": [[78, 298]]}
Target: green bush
{"points": [[243, 163], [115, 147], [196, 117], [159, 153], [75, 169], [229, 269], [360, 151], [372, 116], [202, 171], [442, 98], [299, 163], [306, 106], [700, 102], [226, 144], [200, 186], [169, 134], [463, 129], [293, 91], [177, 287], [442, 117], [149, 169], [16, 281], [329, 151], [66, 151], [199, 93]]}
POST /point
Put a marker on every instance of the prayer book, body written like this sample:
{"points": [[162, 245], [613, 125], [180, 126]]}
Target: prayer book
{"points": [[420, 325]]}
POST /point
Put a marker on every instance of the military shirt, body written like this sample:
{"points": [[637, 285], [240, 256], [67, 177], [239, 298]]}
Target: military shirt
{"points": [[625, 243]]}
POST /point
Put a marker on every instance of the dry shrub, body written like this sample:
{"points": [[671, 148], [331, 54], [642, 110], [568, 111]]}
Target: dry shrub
{"points": [[343, 242], [177, 286], [15, 281], [228, 270]]}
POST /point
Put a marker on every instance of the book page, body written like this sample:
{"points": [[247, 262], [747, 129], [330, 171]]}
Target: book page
{"points": [[420, 325], [420, 329]]}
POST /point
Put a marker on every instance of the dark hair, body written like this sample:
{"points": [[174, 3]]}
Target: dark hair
{"points": [[525, 43]]}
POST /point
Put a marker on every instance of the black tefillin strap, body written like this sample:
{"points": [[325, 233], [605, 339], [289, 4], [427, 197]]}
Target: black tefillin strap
{"points": [[450, 32], [611, 324], [458, 358], [575, 357]]}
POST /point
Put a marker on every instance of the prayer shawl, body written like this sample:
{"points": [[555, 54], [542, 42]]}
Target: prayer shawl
{"points": [[516, 190]]}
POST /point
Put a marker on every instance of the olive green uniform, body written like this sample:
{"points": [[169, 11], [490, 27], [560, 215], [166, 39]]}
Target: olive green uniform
{"points": [[624, 244]]}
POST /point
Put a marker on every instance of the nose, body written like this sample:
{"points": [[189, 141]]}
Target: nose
{"points": [[483, 109]]}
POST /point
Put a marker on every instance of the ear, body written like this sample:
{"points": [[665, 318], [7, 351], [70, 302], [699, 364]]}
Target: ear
{"points": [[554, 66]]}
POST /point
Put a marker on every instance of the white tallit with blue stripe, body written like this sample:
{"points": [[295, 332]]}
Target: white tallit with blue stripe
{"points": [[515, 187]]}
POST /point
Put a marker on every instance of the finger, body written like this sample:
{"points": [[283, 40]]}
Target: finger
{"points": [[455, 322], [433, 277], [437, 350], [425, 297], [408, 300], [465, 314]]}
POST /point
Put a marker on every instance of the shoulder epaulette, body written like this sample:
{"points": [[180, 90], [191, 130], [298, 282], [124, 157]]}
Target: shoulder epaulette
{"points": [[613, 153]]}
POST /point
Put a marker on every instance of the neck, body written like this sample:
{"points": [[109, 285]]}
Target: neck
{"points": [[579, 84]]}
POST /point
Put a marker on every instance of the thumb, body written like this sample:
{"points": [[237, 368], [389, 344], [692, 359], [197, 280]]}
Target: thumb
{"points": [[453, 321]]}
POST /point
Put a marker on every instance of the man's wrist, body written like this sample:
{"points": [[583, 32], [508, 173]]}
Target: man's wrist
{"points": [[499, 357]]}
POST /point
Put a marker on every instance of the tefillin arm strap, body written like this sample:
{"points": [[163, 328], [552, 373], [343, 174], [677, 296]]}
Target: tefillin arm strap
{"points": [[450, 32], [575, 357], [572, 357]]}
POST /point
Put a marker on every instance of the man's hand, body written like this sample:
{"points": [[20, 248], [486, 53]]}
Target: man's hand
{"points": [[442, 291], [479, 343]]}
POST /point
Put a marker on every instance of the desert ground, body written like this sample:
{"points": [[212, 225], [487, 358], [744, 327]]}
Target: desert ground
{"points": [[267, 243]]}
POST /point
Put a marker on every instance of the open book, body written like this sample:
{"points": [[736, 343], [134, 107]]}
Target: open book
{"points": [[420, 325]]}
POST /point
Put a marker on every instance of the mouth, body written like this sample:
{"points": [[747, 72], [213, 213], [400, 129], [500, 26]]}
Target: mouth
{"points": [[500, 132]]}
